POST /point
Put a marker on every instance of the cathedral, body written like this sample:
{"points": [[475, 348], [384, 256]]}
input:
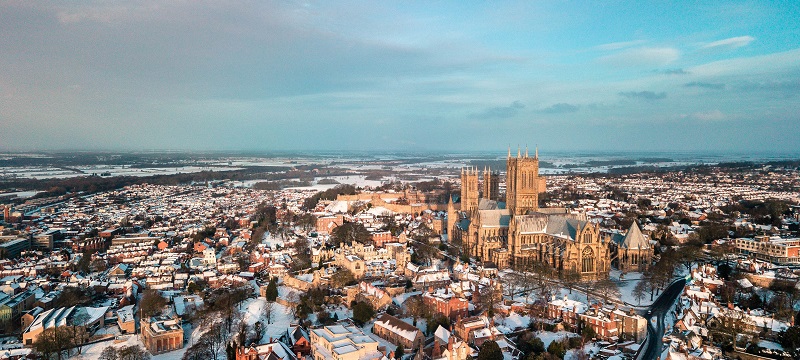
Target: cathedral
{"points": [[516, 233]]}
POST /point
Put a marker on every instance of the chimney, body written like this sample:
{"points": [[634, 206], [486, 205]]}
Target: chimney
{"points": [[437, 349], [450, 343]]}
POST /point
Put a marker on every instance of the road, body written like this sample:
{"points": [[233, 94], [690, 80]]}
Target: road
{"points": [[651, 348]]}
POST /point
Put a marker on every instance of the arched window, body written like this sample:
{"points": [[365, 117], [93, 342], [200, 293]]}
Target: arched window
{"points": [[588, 260]]}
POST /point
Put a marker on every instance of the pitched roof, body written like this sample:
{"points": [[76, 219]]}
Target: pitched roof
{"points": [[398, 326], [634, 239], [494, 218]]}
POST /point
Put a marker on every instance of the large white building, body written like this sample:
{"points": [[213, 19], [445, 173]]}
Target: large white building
{"points": [[773, 249], [340, 342]]}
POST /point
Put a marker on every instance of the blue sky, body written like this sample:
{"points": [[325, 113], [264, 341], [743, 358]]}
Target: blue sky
{"points": [[293, 75]]}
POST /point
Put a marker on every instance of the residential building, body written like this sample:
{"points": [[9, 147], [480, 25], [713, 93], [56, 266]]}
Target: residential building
{"points": [[398, 332]]}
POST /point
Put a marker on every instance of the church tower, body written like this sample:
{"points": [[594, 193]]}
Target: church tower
{"points": [[491, 184], [469, 190], [522, 183]]}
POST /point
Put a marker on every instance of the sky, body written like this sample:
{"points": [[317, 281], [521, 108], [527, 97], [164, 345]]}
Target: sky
{"points": [[721, 76]]}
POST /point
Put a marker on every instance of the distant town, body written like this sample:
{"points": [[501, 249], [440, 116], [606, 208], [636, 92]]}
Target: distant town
{"points": [[518, 256]]}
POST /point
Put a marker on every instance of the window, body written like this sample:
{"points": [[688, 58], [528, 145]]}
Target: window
{"points": [[588, 260]]}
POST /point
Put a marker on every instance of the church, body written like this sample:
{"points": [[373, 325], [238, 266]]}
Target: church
{"points": [[518, 232]]}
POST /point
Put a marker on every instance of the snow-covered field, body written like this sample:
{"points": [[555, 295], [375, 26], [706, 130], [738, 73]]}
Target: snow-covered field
{"points": [[626, 286], [109, 170], [93, 351], [253, 310], [21, 194], [548, 336]]}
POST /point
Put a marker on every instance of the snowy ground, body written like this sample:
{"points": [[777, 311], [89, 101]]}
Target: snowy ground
{"points": [[626, 285], [770, 345], [48, 172], [548, 336], [271, 241], [512, 322], [93, 351], [282, 318]]}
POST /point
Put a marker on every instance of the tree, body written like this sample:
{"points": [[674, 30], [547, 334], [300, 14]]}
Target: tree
{"points": [[790, 339], [363, 312], [557, 349], [343, 277], [109, 353], [133, 352], [302, 257], [488, 297], [307, 222], [640, 291], [272, 290], [724, 271], [268, 310], [490, 351], [71, 296], [416, 308], [214, 340], [78, 333], [435, 320], [152, 302], [53, 341], [349, 233], [570, 279], [688, 256], [399, 352], [607, 289], [588, 333], [537, 345]]}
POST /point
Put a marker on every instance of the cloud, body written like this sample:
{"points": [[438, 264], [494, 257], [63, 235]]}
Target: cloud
{"points": [[645, 95], [618, 45], [560, 108], [789, 87], [672, 72], [705, 85], [730, 43], [499, 112], [714, 115], [642, 57]]}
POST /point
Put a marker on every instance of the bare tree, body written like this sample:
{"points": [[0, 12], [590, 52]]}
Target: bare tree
{"points": [[415, 307], [607, 289], [214, 340], [640, 291], [489, 296], [570, 279], [78, 331], [53, 341], [268, 311], [109, 353], [133, 352], [152, 302]]}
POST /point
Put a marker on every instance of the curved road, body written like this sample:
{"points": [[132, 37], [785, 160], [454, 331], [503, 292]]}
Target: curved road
{"points": [[651, 348]]}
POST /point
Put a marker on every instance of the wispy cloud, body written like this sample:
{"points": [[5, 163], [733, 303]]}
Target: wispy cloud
{"points": [[618, 45], [499, 112], [730, 43], [714, 115], [673, 71], [560, 108], [651, 57], [645, 95], [705, 85]]}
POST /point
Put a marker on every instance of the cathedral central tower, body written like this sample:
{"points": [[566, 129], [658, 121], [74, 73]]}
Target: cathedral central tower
{"points": [[522, 183]]}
